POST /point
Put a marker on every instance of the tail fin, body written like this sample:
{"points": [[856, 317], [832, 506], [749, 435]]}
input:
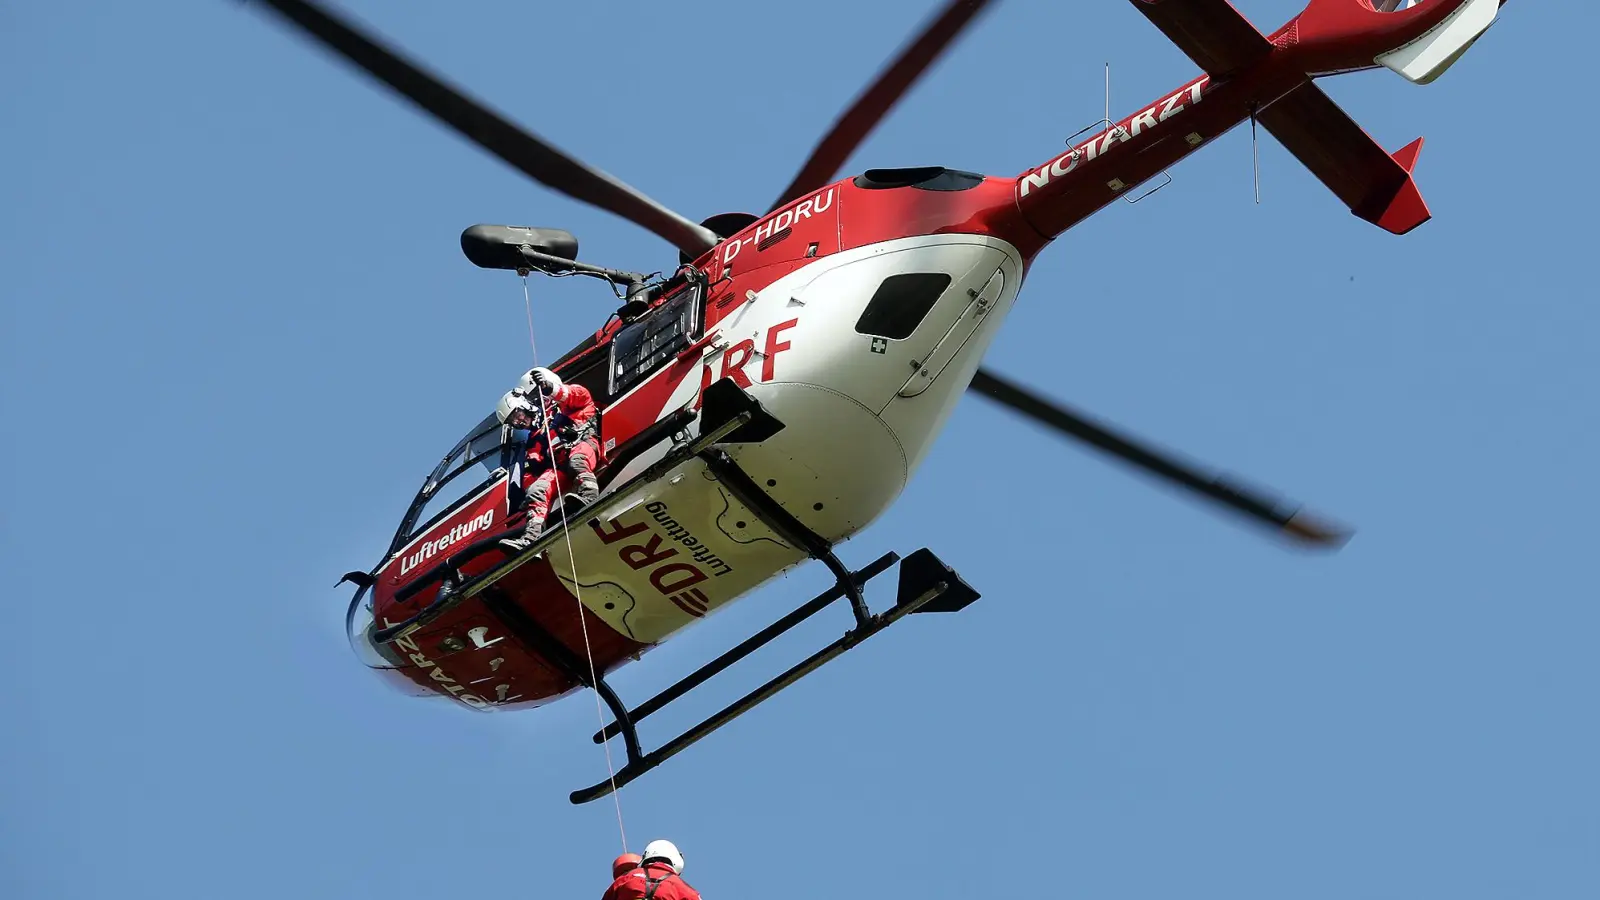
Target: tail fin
{"points": [[1418, 39]]}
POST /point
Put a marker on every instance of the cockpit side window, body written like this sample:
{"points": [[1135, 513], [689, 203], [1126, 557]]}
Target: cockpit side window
{"points": [[463, 472]]}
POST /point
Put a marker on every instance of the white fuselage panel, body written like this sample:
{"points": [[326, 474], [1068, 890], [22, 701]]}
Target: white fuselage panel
{"points": [[860, 413]]}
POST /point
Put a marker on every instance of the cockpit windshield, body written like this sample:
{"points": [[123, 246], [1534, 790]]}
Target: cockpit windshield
{"points": [[477, 456], [482, 450]]}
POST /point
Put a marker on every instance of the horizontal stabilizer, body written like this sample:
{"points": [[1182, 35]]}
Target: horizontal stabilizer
{"points": [[1211, 32], [1376, 185]]}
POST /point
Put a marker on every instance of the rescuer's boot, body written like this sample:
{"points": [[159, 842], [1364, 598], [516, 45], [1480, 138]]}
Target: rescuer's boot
{"points": [[588, 489], [530, 533]]}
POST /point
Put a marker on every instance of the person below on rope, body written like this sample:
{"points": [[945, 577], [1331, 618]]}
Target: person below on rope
{"points": [[658, 877], [563, 449]]}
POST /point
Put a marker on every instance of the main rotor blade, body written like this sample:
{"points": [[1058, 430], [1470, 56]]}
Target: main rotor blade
{"points": [[539, 160], [1296, 524], [881, 96]]}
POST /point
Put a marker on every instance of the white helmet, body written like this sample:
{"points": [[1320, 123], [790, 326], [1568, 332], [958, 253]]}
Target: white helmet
{"points": [[664, 851], [538, 380], [511, 402]]}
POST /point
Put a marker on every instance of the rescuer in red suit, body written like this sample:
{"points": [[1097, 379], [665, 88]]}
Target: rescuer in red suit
{"points": [[563, 450], [657, 878]]}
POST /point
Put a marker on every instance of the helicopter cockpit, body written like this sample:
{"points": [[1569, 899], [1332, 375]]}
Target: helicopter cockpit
{"points": [[477, 462], [475, 466], [485, 449]]}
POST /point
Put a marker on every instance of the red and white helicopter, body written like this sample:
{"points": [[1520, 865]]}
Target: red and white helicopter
{"points": [[771, 397]]}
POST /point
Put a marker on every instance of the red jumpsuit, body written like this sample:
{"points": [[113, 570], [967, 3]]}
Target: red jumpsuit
{"points": [[570, 409], [633, 885]]}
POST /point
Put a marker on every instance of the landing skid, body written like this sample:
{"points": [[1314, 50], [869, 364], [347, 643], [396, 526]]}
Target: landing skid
{"points": [[926, 585]]}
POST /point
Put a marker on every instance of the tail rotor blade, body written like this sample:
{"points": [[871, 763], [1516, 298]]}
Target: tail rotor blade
{"points": [[1293, 523], [491, 131], [885, 91]]}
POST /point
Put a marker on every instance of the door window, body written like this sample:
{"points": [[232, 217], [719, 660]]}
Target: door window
{"points": [[655, 340]]}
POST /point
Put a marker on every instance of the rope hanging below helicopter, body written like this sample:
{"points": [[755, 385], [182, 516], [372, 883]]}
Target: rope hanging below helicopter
{"points": [[577, 582]]}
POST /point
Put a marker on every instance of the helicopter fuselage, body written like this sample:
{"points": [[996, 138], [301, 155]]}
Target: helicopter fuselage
{"points": [[861, 348], [857, 315], [775, 394]]}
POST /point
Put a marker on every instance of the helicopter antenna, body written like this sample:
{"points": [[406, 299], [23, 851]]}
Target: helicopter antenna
{"points": [[1111, 126], [1255, 153]]}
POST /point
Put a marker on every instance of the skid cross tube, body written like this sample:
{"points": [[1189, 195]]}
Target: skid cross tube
{"points": [[872, 626], [846, 583], [746, 647], [529, 632], [771, 512]]}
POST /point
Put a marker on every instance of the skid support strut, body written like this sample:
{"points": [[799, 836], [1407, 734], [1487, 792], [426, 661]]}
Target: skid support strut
{"points": [[926, 585], [745, 489]]}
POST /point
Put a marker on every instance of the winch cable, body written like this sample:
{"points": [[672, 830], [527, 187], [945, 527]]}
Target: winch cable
{"points": [[572, 563]]}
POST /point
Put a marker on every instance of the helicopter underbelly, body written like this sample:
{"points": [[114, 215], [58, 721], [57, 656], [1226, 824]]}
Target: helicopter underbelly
{"points": [[684, 545], [858, 418]]}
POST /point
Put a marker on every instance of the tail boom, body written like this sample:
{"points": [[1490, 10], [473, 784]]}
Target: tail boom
{"points": [[1069, 188]]}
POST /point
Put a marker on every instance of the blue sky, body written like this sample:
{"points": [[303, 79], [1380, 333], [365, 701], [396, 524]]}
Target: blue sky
{"points": [[239, 330]]}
